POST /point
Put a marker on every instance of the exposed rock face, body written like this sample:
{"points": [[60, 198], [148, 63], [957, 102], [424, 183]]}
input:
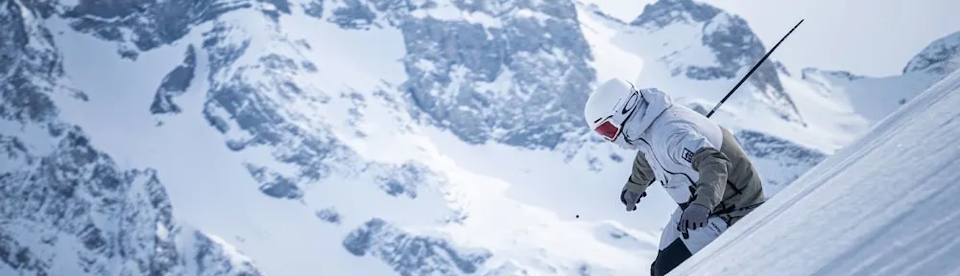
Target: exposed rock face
{"points": [[734, 46], [411, 255], [67, 207], [941, 57]]}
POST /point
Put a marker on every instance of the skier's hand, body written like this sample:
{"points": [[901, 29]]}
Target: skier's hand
{"points": [[630, 199], [695, 216]]}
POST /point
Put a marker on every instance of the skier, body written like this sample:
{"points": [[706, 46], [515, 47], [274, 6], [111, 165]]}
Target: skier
{"points": [[699, 164]]}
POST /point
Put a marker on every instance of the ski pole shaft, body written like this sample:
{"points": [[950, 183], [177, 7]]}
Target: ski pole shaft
{"points": [[755, 66]]}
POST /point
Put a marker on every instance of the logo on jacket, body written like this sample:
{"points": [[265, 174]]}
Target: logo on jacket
{"points": [[687, 155], [631, 103]]}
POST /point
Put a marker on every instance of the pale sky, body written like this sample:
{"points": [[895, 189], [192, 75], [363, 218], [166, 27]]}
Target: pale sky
{"points": [[867, 37]]}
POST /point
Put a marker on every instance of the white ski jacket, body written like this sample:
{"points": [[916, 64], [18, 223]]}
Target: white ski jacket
{"points": [[694, 159]]}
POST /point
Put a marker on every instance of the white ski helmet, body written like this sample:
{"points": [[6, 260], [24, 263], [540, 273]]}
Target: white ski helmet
{"points": [[609, 106]]}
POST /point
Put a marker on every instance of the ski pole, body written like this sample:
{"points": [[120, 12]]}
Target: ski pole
{"points": [[755, 66]]}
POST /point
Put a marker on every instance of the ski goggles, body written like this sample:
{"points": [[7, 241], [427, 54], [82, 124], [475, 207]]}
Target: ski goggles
{"points": [[608, 129]]}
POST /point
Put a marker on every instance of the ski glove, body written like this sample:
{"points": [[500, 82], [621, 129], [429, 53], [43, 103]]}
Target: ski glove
{"points": [[695, 216], [630, 198]]}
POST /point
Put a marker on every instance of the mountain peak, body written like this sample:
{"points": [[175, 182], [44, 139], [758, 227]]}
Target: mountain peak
{"points": [[666, 12], [941, 56], [728, 40]]}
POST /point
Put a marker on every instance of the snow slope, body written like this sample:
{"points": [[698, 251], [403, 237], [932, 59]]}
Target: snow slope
{"points": [[886, 205]]}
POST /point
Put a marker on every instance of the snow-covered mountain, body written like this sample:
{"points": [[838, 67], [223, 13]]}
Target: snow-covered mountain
{"points": [[67, 207], [365, 137], [874, 98], [853, 213]]}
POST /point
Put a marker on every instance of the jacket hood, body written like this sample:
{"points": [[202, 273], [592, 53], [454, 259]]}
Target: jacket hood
{"points": [[656, 103]]}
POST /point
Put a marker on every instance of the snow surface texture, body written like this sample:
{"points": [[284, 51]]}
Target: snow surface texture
{"points": [[886, 205], [346, 137]]}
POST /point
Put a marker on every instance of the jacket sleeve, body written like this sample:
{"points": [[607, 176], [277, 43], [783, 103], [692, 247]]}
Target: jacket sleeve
{"points": [[688, 147], [641, 176]]}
